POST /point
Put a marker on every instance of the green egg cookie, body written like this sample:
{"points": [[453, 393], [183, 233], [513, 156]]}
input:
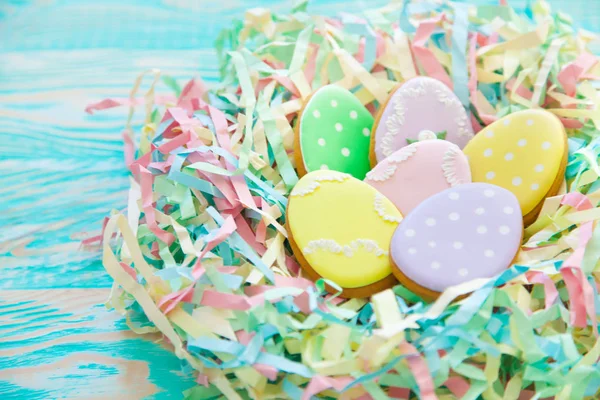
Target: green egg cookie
{"points": [[333, 133]]}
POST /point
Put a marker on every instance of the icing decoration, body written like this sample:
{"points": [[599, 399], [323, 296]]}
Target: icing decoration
{"points": [[418, 171], [420, 104], [466, 232], [334, 132], [342, 227], [379, 203], [427, 135], [524, 152], [348, 250], [305, 187]]}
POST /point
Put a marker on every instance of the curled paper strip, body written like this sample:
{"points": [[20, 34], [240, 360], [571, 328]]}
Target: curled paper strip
{"points": [[201, 253]]}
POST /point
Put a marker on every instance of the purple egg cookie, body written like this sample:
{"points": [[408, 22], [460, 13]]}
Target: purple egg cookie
{"points": [[466, 232], [419, 104]]}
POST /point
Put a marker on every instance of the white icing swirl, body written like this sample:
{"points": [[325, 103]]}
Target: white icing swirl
{"points": [[381, 174], [403, 154], [393, 124], [314, 184], [380, 209], [332, 246], [449, 166]]}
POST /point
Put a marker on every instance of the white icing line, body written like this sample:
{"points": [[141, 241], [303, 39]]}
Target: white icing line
{"points": [[332, 246], [333, 176], [393, 125], [461, 121], [380, 209], [399, 156], [403, 154], [445, 98], [449, 165], [383, 175]]}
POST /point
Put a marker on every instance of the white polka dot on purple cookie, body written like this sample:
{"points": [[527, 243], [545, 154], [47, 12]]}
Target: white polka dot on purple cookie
{"points": [[476, 237]]}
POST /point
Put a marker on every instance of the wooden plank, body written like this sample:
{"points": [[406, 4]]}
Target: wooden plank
{"points": [[65, 343]]}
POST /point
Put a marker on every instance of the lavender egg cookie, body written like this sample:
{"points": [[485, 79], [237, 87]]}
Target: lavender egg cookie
{"points": [[466, 232], [416, 105]]}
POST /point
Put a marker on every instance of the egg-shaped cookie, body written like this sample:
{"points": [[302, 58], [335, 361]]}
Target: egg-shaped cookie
{"points": [[526, 153], [466, 232], [333, 133], [418, 171], [420, 103], [340, 229]]}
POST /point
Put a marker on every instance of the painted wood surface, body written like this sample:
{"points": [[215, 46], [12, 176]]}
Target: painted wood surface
{"points": [[62, 171]]}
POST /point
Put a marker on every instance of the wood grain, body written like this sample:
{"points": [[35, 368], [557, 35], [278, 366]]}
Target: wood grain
{"points": [[65, 343], [62, 172]]}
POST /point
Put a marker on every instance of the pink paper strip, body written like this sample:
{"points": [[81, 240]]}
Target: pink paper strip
{"points": [[146, 182], [194, 89], [472, 86], [399, 393], [581, 293], [551, 293], [420, 371], [571, 73], [458, 386], [425, 56], [130, 271], [320, 383]]}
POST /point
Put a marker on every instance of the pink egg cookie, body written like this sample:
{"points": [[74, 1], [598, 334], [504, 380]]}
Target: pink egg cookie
{"points": [[418, 171], [418, 104], [466, 232]]}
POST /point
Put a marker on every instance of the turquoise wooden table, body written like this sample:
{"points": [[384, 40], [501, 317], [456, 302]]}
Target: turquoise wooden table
{"points": [[62, 171]]}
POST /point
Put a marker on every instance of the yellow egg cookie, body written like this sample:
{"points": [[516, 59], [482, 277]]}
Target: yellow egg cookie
{"points": [[526, 153], [340, 229]]}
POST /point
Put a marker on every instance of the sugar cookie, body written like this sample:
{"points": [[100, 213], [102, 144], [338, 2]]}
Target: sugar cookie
{"points": [[340, 229], [333, 133], [418, 171], [418, 104], [465, 232], [526, 153]]}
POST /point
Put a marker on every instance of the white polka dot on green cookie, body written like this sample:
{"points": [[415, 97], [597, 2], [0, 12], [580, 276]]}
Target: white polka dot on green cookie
{"points": [[339, 127], [345, 152], [353, 114], [366, 132]]}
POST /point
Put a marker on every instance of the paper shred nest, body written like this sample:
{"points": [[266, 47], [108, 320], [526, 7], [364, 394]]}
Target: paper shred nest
{"points": [[201, 253]]}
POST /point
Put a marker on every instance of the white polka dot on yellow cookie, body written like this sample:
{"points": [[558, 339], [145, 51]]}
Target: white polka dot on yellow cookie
{"points": [[523, 152]]}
